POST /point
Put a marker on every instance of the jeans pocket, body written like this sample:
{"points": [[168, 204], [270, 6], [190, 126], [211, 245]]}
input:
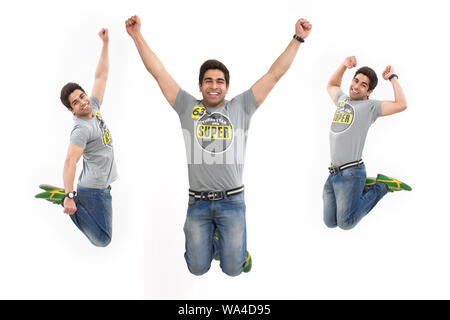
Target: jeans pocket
{"points": [[88, 199], [348, 174], [237, 200], [192, 201]]}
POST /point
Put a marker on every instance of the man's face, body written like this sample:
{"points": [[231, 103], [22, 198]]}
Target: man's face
{"points": [[80, 103], [213, 88], [359, 88]]}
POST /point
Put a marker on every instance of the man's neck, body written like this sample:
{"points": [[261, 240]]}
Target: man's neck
{"points": [[86, 117]]}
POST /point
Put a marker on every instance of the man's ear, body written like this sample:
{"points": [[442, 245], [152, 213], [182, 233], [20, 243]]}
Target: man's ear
{"points": [[369, 93], [70, 109]]}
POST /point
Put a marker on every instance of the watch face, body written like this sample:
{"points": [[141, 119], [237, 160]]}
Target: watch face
{"points": [[70, 195]]}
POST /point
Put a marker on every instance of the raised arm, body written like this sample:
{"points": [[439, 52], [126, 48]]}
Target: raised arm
{"points": [[70, 166], [264, 85], [399, 105], [101, 73], [165, 81], [334, 84]]}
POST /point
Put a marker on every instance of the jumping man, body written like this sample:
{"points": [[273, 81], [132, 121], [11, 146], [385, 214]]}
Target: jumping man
{"points": [[347, 196], [215, 132]]}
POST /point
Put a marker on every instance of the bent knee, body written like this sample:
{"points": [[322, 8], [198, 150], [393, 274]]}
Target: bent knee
{"points": [[198, 270], [346, 224], [102, 241], [232, 268], [330, 224], [232, 272]]}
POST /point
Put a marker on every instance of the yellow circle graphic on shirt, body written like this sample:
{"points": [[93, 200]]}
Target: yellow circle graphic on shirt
{"points": [[214, 132], [343, 118]]}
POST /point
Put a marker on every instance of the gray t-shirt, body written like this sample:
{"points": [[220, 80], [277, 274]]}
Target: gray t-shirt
{"points": [[349, 128], [99, 167], [215, 139]]}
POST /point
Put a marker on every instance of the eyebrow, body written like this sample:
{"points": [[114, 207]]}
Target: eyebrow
{"points": [[355, 78], [218, 79], [77, 98]]}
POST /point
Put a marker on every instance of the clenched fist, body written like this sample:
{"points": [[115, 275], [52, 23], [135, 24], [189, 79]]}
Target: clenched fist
{"points": [[350, 62], [133, 26], [388, 72], [103, 34], [69, 206], [303, 28]]}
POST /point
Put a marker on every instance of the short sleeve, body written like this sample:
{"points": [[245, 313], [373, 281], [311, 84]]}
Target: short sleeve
{"points": [[376, 110], [95, 103], [248, 101], [340, 96], [183, 101], [79, 136]]}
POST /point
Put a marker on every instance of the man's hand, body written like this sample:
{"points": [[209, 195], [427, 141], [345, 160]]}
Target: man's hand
{"points": [[103, 34], [133, 26], [303, 28], [69, 206], [388, 72], [350, 62]]}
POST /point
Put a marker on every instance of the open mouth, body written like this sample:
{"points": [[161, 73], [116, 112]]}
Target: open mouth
{"points": [[213, 94], [85, 107], [353, 91]]}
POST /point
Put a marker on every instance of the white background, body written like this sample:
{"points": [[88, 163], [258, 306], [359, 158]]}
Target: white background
{"points": [[399, 251]]}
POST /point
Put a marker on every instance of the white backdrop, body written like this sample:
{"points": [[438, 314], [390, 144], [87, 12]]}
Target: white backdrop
{"points": [[400, 250]]}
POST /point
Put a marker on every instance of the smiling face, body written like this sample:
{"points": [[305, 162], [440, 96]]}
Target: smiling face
{"points": [[80, 104], [359, 88], [213, 88]]}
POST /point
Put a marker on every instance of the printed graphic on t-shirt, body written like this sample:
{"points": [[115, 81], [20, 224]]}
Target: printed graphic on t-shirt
{"points": [[197, 112], [105, 131], [214, 132], [343, 117]]}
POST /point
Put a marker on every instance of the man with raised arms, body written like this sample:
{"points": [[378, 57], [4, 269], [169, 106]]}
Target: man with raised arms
{"points": [[90, 207], [347, 196], [215, 132]]}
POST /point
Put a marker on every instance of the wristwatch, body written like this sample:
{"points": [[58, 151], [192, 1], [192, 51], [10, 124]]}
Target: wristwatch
{"points": [[392, 76], [71, 195], [298, 38]]}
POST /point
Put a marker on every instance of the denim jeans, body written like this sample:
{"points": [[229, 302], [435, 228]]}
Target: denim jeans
{"points": [[203, 217], [94, 214], [347, 200]]}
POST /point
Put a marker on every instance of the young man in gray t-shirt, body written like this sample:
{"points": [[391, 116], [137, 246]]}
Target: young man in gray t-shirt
{"points": [[215, 132], [347, 196], [90, 206]]}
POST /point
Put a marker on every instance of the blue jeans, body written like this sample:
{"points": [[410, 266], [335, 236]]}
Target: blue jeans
{"points": [[203, 217], [347, 200], [94, 214]]}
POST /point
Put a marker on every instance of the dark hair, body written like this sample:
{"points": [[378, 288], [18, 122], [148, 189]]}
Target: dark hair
{"points": [[213, 64], [369, 73], [67, 90]]}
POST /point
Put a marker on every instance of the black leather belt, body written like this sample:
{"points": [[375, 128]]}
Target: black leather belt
{"points": [[215, 195], [345, 166]]}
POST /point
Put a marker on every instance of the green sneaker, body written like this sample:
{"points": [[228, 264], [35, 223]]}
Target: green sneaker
{"points": [[393, 184], [52, 194], [370, 181], [248, 263]]}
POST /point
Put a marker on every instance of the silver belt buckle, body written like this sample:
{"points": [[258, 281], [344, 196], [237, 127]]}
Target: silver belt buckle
{"points": [[215, 195], [333, 170]]}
